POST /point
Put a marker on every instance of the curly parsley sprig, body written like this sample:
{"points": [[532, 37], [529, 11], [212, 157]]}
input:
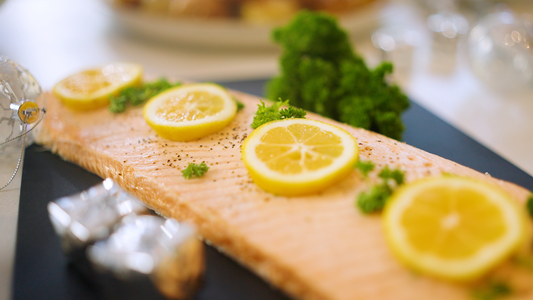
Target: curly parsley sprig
{"points": [[274, 112], [194, 170], [137, 95], [321, 72], [374, 200]]}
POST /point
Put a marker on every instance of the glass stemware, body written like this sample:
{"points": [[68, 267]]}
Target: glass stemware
{"points": [[19, 114]]}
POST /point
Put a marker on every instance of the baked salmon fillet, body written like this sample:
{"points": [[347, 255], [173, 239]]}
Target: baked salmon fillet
{"points": [[314, 247]]}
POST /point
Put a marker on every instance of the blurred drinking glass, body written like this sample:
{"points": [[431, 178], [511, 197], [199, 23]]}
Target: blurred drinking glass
{"points": [[447, 27], [501, 50], [397, 46]]}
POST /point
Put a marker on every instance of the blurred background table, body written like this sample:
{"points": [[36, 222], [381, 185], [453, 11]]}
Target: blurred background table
{"points": [[56, 38]]}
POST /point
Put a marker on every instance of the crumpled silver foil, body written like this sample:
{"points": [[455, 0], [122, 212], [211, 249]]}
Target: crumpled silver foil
{"points": [[108, 233]]}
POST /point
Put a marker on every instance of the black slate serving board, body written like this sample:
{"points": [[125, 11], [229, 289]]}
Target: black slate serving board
{"points": [[42, 271]]}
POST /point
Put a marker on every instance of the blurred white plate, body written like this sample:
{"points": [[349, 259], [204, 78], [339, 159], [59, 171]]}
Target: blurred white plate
{"points": [[230, 33]]}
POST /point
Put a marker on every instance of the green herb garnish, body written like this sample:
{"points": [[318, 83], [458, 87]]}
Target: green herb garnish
{"points": [[364, 167], [137, 95], [395, 175], [529, 205], [321, 73], [267, 114], [374, 200], [194, 170], [240, 105], [524, 262], [492, 291]]}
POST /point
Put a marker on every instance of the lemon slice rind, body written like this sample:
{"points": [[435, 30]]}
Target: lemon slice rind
{"points": [[307, 182], [471, 268], [191, 129], [96, 99], [227, 113]]}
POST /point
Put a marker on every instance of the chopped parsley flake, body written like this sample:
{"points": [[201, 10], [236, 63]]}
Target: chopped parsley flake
{"points": [[240, 105], [492, 291], [529, 205], [395, 175], [194, 170], [364, 167], [374, 200], [524, 262]]}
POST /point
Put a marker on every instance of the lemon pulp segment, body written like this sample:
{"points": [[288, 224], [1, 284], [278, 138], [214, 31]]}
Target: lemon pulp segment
{"points": [[91, 89], [189, 106], [298, 156], [452, 227], [190, 112]]}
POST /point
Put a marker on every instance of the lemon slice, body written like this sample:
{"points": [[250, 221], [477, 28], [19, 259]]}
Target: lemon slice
{"points": [[298, 156], [451, 227], [91, 89], [190, 112]]}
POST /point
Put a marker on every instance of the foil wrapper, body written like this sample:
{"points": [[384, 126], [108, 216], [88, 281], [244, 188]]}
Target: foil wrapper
{"points": [[83, 218], [112, 238], [165, 250]]}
